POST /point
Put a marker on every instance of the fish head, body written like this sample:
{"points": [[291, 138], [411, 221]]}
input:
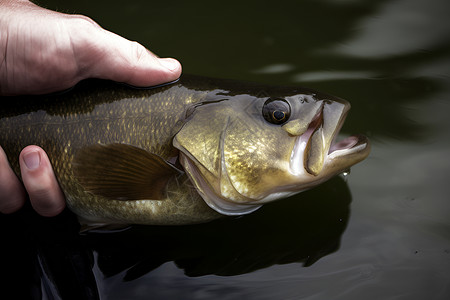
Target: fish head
{"points": [[244, 150]]}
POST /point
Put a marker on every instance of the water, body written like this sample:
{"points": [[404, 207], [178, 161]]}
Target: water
{"points": [[383, 233]]}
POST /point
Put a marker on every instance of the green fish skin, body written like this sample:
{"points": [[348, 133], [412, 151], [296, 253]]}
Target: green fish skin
{"points": [[186, 152]]}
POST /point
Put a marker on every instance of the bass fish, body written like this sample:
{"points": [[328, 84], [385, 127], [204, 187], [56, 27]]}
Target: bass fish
{"points": [[186, 152]]}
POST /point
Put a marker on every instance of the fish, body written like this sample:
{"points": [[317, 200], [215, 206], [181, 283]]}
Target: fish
{"points": [[185, 152]]}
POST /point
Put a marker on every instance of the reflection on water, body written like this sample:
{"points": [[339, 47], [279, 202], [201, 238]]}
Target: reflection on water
{"points": [[295, 230], [291, 231], [399, 28], [391, 60]]}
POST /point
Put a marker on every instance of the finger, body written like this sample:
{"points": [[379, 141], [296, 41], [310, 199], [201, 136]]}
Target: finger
{"points": [[113, 57], [40, 183], [132, 63], [12, 193]]}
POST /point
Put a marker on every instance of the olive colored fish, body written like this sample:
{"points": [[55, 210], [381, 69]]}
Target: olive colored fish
{"points": [[182, 153]]}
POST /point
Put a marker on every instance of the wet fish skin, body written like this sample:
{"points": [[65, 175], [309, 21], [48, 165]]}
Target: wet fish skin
{"points": [[105, 112], [194, 113]]}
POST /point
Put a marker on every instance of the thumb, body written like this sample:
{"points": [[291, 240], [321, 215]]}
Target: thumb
{"points": [[110, 56]]}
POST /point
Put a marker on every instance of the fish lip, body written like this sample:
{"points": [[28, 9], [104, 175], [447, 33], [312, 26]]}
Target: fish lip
{"points": [[298, 153], [357, 144], [355, 147]]}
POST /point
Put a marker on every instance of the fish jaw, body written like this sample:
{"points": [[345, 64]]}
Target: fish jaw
{"points": [[240, 160], [317, 156]]}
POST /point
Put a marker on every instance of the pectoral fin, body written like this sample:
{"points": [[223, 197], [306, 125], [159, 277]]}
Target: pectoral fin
{"points": [[122, 172]]}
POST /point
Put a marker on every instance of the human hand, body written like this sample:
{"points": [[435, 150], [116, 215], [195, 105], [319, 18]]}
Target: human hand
{"points": [[39, 181], [42, 51]]}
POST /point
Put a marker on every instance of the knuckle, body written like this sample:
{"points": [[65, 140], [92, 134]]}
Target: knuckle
{"points": [[139, 50], [39, 188], [43, 189], [46, 198], [80, 20]]}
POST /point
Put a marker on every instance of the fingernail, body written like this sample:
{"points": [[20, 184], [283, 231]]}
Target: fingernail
{"points": [[32, 160], [169, 63]]}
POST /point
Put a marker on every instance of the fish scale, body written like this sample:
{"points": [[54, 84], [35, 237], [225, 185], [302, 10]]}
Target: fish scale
{"points": [[118, 118], [186, 152]]}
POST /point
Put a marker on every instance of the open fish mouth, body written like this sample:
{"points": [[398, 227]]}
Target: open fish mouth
{"points": [[316, 151]]}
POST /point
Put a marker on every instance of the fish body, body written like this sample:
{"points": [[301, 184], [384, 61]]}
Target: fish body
{"points": [[186, 152]]}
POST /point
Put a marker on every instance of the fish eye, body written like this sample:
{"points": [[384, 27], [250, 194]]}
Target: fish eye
{"points": [[276, 111]]}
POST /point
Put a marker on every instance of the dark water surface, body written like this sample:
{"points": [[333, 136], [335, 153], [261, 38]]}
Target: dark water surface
{"points": [[383, 232]]}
